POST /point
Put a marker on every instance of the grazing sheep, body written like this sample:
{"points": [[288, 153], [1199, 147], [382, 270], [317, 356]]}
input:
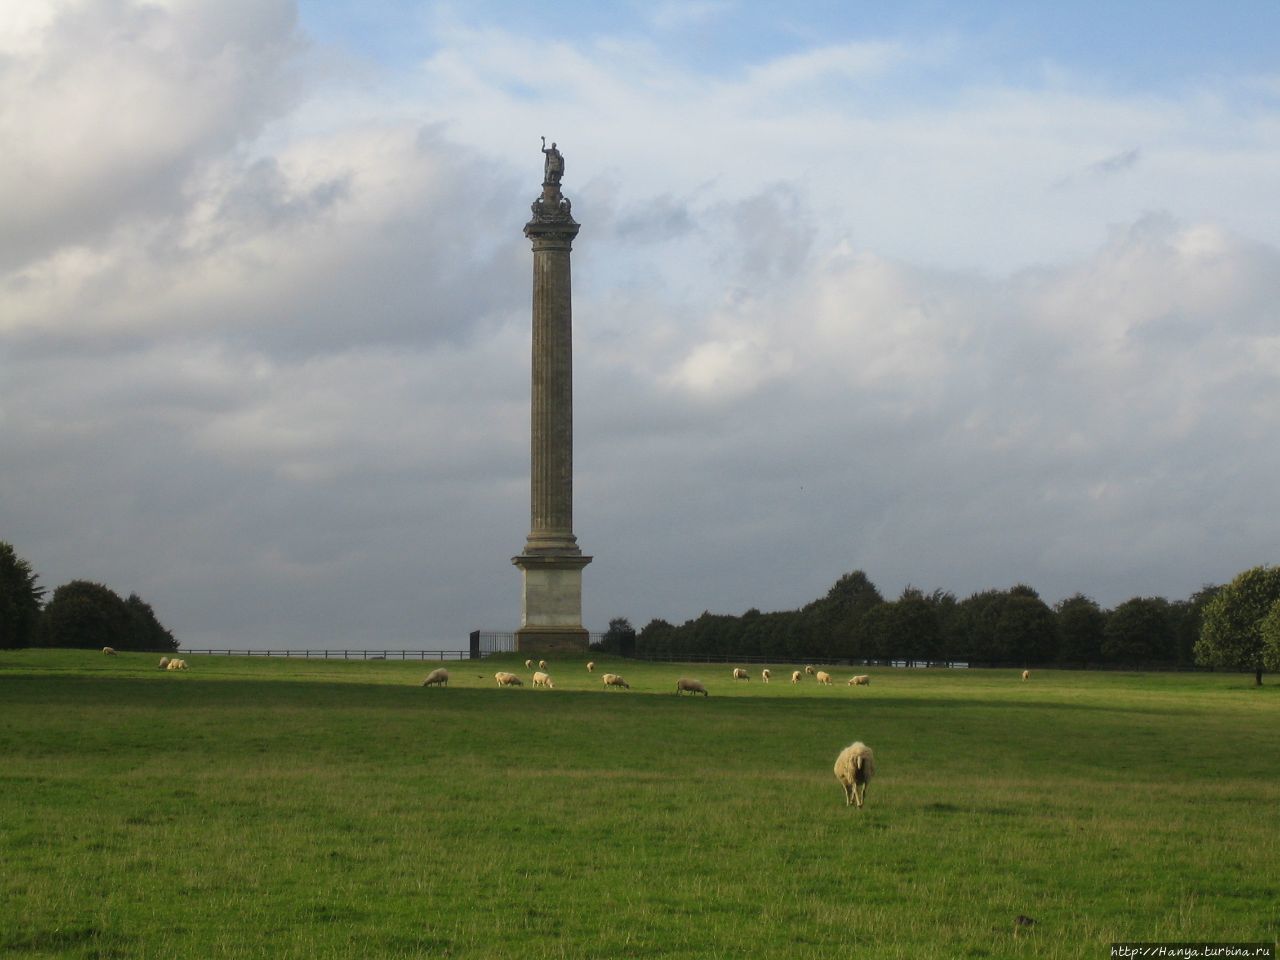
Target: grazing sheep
{"points": [[176, 664], [692, 686], [542, 664], [1026, 674], [541, 679], [591, 666], [613, 680], [740, 674], [765, 674], [439, 675], [809, 670], [109, 651], [824, 677], [507, 679], [528, 664], [164, 662], [862, 680], [854, 768], [795, 676]]}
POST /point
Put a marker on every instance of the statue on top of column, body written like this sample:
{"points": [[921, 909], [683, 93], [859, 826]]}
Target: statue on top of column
{"points": [[552, 210], [553, 169]]}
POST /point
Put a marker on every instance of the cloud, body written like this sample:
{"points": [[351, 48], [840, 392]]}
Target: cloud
{"points": [[269, 367]]}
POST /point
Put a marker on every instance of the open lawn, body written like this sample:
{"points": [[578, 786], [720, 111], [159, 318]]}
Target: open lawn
{"points": [[304, 809]]}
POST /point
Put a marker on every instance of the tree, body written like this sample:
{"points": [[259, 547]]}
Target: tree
{"points": [[620, 638], [1270, 630], [148, 633], [86, 614], [1139, 629], [1080, 625], [19, 599], [1006, 625], [1027, 629], [1187, 617], [841, 616], [1231, 635]]}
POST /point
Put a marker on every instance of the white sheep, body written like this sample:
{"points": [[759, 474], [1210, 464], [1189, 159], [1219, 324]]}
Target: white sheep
{"points": [[765, 674], [613, 680], [854, 768], [541, 679], [542, 664], [740, 674], [528, 664], [862, 680], [684, 684], [507, 679], [439, 675], [164, 662], [109, 651], [176, 664], [824, 677], [591, 666], [795, 676], [1026, 674], [809, 670]]}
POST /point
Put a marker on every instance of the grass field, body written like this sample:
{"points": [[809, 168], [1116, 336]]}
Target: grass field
{"points": [[299, 809]]}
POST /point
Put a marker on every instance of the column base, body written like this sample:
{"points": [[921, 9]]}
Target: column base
{"points": [[552, 640]]}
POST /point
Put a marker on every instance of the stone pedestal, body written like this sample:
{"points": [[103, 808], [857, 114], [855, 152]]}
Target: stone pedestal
{"points": [[552, 562]]}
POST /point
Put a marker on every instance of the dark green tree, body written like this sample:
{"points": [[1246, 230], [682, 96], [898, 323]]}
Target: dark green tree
{"points": [[841, 616], [1027, 630], [619, 639], [1270, 630], [1080, 625], [1231, 635], [19, 599], [1139, 629], [1186, 618], [85, 614], [148, 633]]}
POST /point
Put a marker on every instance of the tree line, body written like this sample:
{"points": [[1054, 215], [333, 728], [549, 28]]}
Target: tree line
{"points": [[1236, 625], [79, 614]]}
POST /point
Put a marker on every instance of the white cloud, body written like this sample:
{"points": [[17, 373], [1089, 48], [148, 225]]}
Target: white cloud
{"points": [[269, 366]]}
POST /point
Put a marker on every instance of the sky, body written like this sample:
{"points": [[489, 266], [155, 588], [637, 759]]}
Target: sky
{"points": [[962, 298]]}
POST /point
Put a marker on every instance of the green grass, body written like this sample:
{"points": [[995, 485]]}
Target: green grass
{"points": [[287, 808]]}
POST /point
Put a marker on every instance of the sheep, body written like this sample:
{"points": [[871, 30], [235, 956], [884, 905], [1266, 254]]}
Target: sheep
{"points": [[795, 676], [765, 674], [591, 666], [541, 679], [809, 670], [824, 677], [439, 675], [507, 679], [176, 664], [164, 662], [109, 651], [861, 680], [1026, 674], [528, 664], [740, 674], [692, 686], [854, 768], [613, 680], [542, 664]]}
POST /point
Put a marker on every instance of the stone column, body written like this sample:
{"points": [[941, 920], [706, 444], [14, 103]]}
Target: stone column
{"points": [[552, 562]]}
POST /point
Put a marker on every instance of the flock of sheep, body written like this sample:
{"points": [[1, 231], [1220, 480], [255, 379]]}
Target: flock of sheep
{"points": [[854, 767]]}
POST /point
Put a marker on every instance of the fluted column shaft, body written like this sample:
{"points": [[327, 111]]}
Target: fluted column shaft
{"points": [[551, 426]]}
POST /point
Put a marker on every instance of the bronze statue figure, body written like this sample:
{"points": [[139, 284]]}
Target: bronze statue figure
{"points": [[553, 169]]}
